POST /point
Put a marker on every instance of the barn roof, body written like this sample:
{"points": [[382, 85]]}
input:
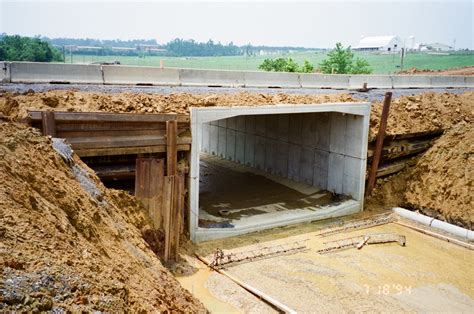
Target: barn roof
{"points": [[375, 41]]}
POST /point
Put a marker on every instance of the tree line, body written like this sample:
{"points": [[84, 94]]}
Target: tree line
{"points": [[18, 48]]}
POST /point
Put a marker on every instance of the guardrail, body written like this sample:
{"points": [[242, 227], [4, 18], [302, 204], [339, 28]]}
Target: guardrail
{"points": [[62, 73]]}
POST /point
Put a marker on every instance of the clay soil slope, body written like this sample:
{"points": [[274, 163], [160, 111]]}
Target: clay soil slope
{"points": [[68, 243], [442, 182]]}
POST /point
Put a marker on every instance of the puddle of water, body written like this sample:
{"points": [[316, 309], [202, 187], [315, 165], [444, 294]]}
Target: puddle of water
{"points": [[196, 284]]}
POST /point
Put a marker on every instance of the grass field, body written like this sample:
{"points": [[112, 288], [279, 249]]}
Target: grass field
{"points": [[380, 63]]}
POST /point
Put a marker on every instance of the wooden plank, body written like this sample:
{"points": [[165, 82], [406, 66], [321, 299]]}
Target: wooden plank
{"points": [[62, 116], [110, 133], [115, 133], [108, 172], [395, 149], [142, 181], [167, 208], [179, 213], [88, 152], [48, 122], [124, 141], [171, 147], [110, 126], [114, 126], [155, 188], [379, 143]]}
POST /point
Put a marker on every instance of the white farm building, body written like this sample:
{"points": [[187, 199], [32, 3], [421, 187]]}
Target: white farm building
{"points": [[380, 43]]}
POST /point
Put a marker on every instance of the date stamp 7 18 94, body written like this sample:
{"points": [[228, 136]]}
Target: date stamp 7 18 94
{"points": [[387, 289]]}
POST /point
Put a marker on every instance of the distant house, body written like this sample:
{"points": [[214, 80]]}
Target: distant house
{"points": [[380, 43], [436, 47]]}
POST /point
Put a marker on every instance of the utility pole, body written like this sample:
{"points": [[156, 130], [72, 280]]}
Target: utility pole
{"points": [[402, 59]]}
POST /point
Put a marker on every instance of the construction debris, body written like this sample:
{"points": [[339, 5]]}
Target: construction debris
{"points": [[222, 259], [359, 241], [358, 224]]}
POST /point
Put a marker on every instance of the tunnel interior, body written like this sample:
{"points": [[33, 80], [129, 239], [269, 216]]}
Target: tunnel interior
{"points": [[261, 170]]}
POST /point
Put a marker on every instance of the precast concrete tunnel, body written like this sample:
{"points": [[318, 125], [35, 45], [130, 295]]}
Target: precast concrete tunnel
{"points": [[259, 167]]}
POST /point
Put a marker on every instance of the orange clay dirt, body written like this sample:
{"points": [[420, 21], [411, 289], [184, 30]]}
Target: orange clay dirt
{"points": [[408, 114], [69, 243], [454, 71], [442, 182]]}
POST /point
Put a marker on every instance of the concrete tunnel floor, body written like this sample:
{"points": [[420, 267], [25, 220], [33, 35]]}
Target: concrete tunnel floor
{"points": [[230, 191]]}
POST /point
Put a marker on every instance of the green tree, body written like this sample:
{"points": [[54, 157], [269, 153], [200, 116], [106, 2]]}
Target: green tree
{"points": [[341, 60], [360, 66], [18, 48], [285, 65], [307, 67]]}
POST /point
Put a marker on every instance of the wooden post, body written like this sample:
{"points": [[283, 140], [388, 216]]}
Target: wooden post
{"points": [[171, 147], [48, 123], [379, 143]]}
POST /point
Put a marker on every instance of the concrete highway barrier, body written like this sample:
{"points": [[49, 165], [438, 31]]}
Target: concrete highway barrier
{"points": [[221, 78], [38, 72], [411, 81], [324, 81], [138, 75], [444, 80], [4, 72], [469, 81], [373, 81], [272, 79]]}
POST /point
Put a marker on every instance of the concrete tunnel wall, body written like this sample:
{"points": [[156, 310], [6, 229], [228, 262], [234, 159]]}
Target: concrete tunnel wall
{"points": [[320, 149], [324, 145]]}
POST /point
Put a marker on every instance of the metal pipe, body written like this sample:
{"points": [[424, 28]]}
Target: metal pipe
{"points": [[435, 223]]}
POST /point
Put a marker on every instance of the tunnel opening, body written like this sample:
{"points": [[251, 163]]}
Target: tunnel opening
{"points": [[254, 168]]}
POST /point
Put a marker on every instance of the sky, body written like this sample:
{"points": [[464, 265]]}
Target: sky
{"points": [[312, 24]]}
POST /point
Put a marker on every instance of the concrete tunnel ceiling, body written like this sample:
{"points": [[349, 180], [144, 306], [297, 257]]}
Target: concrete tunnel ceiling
{"points": [[319, 146]]}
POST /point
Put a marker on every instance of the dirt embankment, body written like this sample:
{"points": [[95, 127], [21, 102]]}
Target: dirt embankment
{"points": [[454, 71], [68, 243], [423, 113], [442, 183], [408, 114]]}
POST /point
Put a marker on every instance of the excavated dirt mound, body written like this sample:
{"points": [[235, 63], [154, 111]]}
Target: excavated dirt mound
{"points": [[15, 105], [454, 71], [67, 242], [408, 114], [441, 183], [423, 113]]}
